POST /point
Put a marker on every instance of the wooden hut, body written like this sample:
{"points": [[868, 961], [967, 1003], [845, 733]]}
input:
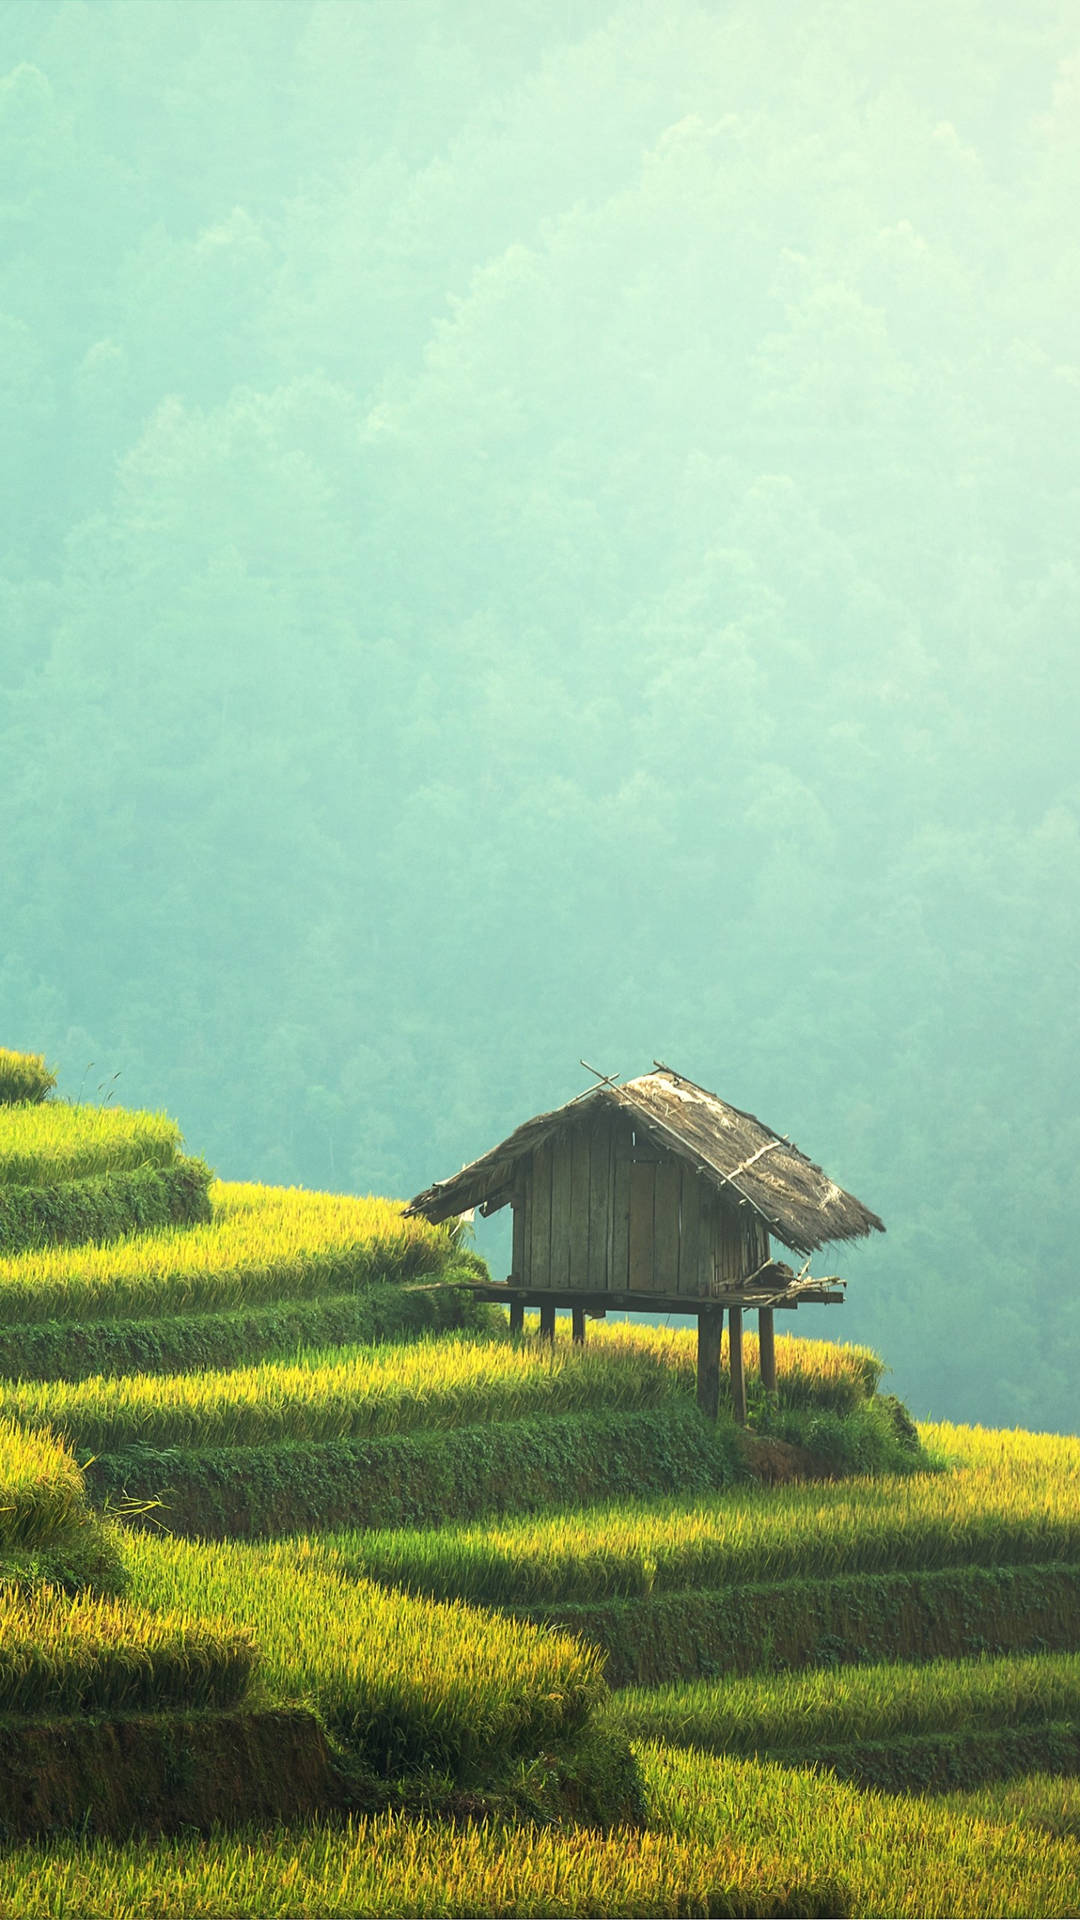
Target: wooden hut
{"points": [[656, 1196]]}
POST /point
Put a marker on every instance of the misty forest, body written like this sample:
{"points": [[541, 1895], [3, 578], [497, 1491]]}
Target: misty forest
{"points": [[548, 531]]}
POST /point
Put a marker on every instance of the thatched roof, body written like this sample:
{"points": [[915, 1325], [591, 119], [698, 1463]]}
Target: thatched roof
{"points": [[731, 1150]]}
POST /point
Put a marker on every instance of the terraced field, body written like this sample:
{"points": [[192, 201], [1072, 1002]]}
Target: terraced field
{"points": [[277, 1499], [51, 1141]]}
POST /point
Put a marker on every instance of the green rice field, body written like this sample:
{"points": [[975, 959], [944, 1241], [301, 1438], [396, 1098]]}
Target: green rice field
{"points": [[403, 1684], [41, 1488], [87, 1655]]}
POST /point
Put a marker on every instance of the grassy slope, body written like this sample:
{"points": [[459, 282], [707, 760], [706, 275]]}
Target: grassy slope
{"points": [[897, 1726], [789, 1713]]}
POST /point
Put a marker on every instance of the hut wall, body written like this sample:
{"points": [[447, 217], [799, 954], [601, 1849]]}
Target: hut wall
{"points": [[564, 1214], [605, 1209], [737, 1244]]}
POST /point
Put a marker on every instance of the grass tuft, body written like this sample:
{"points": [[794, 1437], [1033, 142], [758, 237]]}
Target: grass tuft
{"points": [[24, 1077]]}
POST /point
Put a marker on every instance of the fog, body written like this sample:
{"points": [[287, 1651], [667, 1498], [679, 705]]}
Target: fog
{"points": [[544, 531]]}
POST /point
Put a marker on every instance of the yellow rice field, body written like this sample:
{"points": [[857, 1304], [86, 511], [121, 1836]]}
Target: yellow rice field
{"points": [[24, 1076], [54, 1141], [90, 1655], [41, 1488], [886, 1854], [404, 1683], [450, 1380], [1012, 1498], [264, 1244], [821, 1373], [725, 1837], [393, 1865]]}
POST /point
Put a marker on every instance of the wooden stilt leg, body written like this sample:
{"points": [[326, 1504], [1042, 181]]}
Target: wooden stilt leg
{"points": [[767, 1347], [738, 1378], [517, 1316], [547, 1320], [709, 1328], [578, 1316]]}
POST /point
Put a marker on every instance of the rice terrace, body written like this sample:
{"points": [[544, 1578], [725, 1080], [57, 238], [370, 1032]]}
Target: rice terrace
{"points": [[344, 1577]]}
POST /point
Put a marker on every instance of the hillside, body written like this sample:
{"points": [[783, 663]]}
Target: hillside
{"points": [[550, 529], [387, 1609]]}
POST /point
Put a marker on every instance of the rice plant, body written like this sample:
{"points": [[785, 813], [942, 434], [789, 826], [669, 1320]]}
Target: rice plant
{"points": [[886, 1854], [393, 1865], [24, 1076], [725, 1836], [778, 1712], [403, 1684], [1012, 1499], [41, 1489], [264, 1244], [42, 1144], [809, 1373], [87, 1655], [1043, 1802], [453, 1380]]}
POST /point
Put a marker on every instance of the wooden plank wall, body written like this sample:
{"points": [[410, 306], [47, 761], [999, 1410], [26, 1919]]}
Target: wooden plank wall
{"points": [[519, 1258], [620, 1212], [539, 1211], [738, 1244], [690, 1235], [642, 1225], [600, 1209], [561, 1171], [601, 1218], [569, 1228], [718, 1244], [580, 1207]]}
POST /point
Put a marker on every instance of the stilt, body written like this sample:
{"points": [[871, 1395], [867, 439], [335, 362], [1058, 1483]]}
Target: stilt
{"points": [[767, 1348], [578, 1317], [547, 1320], [738, 1378], [709, 1327], [517, 1316]]}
